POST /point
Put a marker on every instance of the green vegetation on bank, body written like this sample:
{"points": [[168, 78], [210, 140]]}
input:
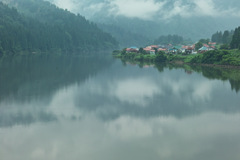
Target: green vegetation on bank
{"points": [[216, 57], [228, 54], [222, 37], [227, 39], [32, 26], [235, 43]]}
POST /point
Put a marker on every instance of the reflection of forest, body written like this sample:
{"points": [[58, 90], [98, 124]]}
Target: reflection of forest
{"points": [[23, 77], [210, 72], [224, 74], [31, 83]]}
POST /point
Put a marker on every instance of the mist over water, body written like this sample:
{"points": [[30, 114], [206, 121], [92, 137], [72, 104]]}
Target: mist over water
{"points": [[98, 108]]}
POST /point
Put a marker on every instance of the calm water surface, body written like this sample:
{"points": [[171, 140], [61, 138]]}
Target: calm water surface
{"points": [[102, 109]]}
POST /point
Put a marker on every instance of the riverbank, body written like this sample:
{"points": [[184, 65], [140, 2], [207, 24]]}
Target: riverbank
{"points": [[221, 58]]}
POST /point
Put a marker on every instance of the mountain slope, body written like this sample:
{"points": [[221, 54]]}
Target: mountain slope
{"points": [[125, 37], [45, 27]]}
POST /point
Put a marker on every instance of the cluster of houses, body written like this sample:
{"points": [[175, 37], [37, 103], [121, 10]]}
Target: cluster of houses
{"points": [[207, 47], [189, 49]]}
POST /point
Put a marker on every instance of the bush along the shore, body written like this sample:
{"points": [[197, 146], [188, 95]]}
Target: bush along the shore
{"points": [[216, 57], [219, 57]]}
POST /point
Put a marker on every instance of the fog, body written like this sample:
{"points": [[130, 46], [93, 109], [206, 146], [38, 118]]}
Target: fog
{"points": [[152, 9]]}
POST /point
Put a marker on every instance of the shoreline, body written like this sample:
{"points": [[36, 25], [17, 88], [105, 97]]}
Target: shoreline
{"points": [[215, 58], [205, 65]]}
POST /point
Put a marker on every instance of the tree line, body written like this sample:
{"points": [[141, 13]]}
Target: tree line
{"points": [[222, 37], [227, 39], [169, 39], [235, 43]]}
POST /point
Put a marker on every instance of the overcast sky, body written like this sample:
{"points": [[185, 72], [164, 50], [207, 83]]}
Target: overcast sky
{"points": [[150, 9]]}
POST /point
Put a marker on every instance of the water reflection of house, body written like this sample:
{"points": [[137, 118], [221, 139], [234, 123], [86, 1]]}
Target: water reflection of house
{"points": [[131, 63], [188, 71], [147, 66]]}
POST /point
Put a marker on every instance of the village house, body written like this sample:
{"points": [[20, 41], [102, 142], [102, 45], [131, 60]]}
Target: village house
{"points": [[207, 47], [163, 50], [170, 49], [132, 49], [190, 49], [173, 50], [212, 44], [203, 49], [147, 49], [151, 49]]}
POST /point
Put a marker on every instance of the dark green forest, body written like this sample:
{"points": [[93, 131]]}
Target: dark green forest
{"points": [[169, 39], [222, 37], [230, 38], [38, 26], [235, 43]]}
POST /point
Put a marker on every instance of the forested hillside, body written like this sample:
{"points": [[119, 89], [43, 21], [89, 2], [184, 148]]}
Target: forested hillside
{"points": [[125, 37], [43, 27]]}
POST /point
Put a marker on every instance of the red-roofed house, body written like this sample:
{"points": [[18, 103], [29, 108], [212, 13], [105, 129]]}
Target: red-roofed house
{"points": [[162, 49], [147, 49], [128, 50], [205, 45], [212, 43]]}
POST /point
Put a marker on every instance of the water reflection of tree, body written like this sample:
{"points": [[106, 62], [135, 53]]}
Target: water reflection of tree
{"points": [[24, 77], [235, 84], [225, 74]]}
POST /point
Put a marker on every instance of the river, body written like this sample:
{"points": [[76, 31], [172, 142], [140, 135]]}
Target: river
{"points": [[98, 108]]}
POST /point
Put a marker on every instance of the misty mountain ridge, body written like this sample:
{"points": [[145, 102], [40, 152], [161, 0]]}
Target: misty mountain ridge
{"points": [[193, 19], [140, 22]]}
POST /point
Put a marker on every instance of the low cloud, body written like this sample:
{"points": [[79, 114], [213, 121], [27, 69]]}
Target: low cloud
{"points": [[178, 8], [142, 9], [205, 7], [151, 9], [65, 4]]}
